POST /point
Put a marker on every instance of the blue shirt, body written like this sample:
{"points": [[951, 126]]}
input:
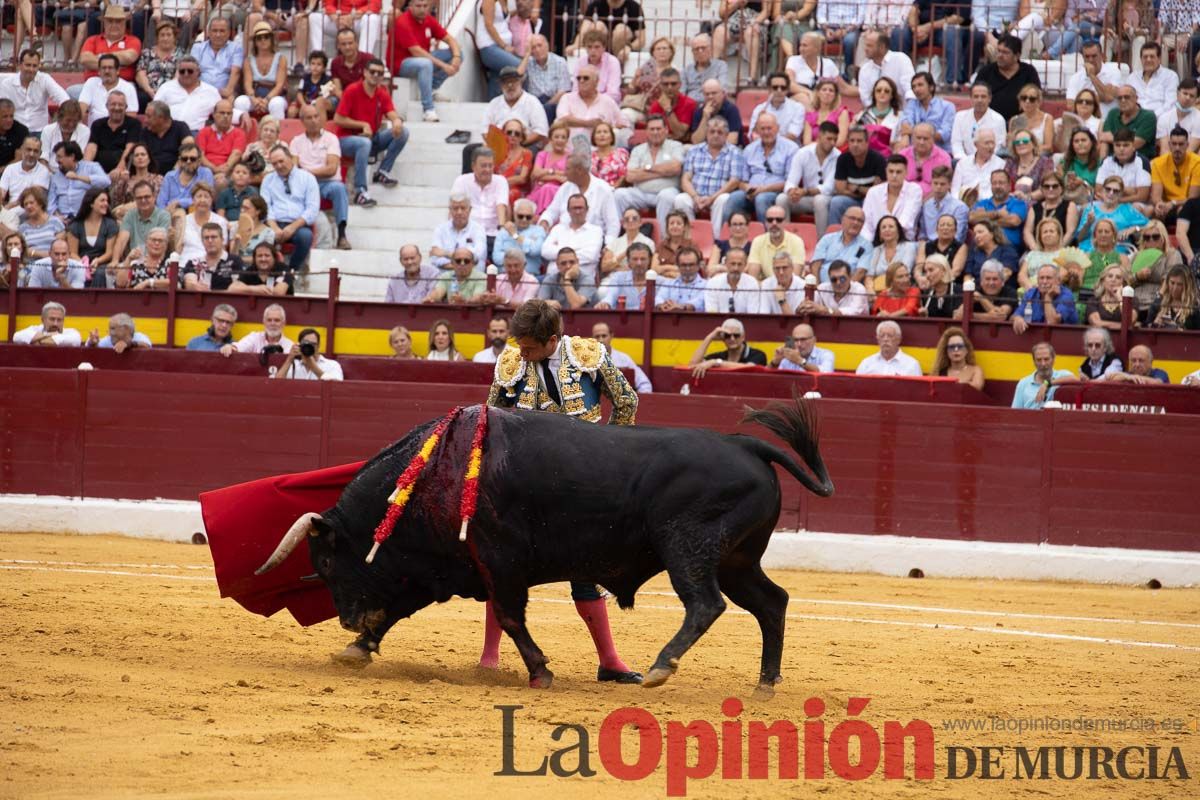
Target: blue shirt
{"points": [[682, 293], [774, 168], [1064, 305], [205, 342], [41, 275], [1025, 395], [940, 115], [215, 66], [709, 174], [831, 247], [173, 190], [992, 15], [931, 209], [292, 198], [531, 245], [1005, 254], [820, 358], [67, 194], [621, 285], [1013, 205], [731, 114]]}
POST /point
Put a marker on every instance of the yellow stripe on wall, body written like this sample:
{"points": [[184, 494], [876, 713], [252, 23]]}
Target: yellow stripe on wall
{"points": [[1000, 365]]}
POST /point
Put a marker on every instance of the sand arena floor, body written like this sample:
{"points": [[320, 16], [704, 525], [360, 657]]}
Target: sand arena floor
{"points": [[123, 674]]}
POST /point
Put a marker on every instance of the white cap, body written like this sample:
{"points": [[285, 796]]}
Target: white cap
{"points": [[651, 275], [492, 270], [969, 284]]}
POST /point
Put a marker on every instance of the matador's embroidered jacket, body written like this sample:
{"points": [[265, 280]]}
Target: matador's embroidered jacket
{"points": [[585, 372]]}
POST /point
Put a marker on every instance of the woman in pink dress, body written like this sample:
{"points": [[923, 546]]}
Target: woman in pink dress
{"points": [[550, 167], [609, 162], [827, 107]]}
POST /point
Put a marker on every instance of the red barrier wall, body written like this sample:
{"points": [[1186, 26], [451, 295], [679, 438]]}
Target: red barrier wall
{"points": [[909, 469]]}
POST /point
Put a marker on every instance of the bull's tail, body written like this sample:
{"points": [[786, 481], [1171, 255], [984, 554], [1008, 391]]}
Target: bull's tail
{"points": [[796, 424]]}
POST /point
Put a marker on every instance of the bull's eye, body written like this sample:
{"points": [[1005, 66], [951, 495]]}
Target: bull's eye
{"points": [[326, 565]]}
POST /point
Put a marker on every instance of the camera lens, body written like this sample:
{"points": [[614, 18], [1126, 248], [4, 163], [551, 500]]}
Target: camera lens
{"points": [[308, 349]]}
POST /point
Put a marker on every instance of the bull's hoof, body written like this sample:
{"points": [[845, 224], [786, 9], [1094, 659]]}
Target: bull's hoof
{"points": [[541, 680], [354, 656], [657, 676], [764, 691]]}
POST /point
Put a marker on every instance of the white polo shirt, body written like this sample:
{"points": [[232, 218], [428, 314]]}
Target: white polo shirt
{"points": [[32, 102], [900, 364], [484, 199]]}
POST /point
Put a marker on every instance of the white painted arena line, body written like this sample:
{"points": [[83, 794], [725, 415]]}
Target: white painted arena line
{"points": [[101, 564], [205, 579], [971, 612], [31, 567], [938, 626]]}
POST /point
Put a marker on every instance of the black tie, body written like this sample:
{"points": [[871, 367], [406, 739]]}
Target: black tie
{"points": [[551, 386]]}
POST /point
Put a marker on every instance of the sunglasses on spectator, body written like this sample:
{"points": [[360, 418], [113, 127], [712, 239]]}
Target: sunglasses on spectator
{"points": [[1152, 237], [185, 71], [524, 216], [1051, 185], [188, 159], [782, 87], [1112, 189], [956, 346], [512, 133], [584, 78], [1085, 102], [1028, 98], [774, 219], [464, 261], [378, 73], [1022, 140], [731, 335]]}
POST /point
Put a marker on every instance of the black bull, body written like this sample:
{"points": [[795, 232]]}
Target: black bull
{"points": [[560, 500]]}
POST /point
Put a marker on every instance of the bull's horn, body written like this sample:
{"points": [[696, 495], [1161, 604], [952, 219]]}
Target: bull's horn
{"points": [[300, 528]]}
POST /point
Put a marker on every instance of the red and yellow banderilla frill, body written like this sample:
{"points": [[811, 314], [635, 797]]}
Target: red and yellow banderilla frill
{"points": [[407, 481]]}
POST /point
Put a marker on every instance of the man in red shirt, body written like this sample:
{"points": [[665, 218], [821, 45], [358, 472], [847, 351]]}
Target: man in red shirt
{"points": [[221, 144], [114, 39], [348, 65], [414, 33], [367, 124], [674, 106]]}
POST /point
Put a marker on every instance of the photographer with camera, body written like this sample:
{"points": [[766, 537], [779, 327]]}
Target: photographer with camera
{"points": [[306, 363], [268, 341]]}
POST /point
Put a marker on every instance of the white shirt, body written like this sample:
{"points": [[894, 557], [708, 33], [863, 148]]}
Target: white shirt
{"points": [[1131, 174], [853, 302], [254, 342], [896, 66], [449, 238], [642, 158], [804, 74], [907, 208], [808, 170], [191, 108], [527, 109], [1157, 94], [746, 298], [96, 97], [622, 361], [767, 303], [968, 174], [32, 102], [485, 356], [602, 207], [1110, 75], [192, 246], [68, 338], [1190, 122], [900, 364], [962, 134], [790, 117], [52, 135], [332, 370], [484, 199], [587, 241], [16, 180]]}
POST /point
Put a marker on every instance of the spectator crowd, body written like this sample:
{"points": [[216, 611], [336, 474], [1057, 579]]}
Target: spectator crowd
{"points": [[589, 180]]}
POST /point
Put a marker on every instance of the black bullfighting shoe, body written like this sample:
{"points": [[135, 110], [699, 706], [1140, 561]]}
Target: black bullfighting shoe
{"points": [[615, 676]]}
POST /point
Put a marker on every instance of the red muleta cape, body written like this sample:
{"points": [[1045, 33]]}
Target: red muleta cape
{"points": [[244, 524]]}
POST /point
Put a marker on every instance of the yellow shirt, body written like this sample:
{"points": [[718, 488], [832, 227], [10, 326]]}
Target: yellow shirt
{"points": [[762, 252], [1176, 180]]}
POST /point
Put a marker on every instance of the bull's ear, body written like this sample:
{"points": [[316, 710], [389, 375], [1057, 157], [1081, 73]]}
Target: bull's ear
{"points": [[320, 527]]}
